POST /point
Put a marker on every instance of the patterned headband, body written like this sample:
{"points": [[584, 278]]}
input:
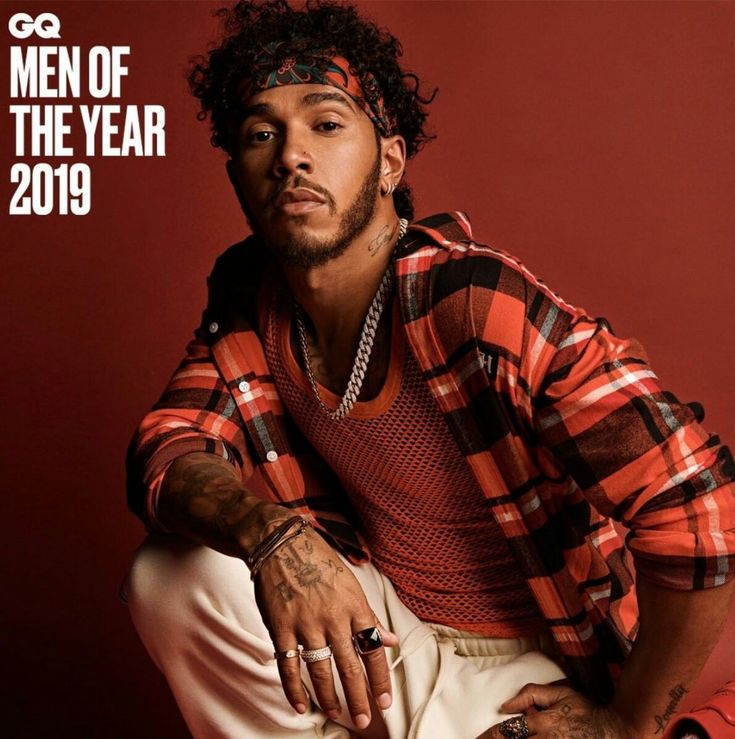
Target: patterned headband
{"points": [[275, 67]]}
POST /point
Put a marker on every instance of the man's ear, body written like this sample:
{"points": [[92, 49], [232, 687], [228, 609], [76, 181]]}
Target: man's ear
{"points": [[392, 160]]}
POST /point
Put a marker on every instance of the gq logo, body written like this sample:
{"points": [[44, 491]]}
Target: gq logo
{"points": [[46, 25]]}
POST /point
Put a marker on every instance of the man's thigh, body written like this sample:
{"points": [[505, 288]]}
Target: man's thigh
{"points": [[195, 611]]}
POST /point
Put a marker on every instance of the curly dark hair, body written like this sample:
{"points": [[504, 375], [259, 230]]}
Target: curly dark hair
{"points": [[215, 79]]}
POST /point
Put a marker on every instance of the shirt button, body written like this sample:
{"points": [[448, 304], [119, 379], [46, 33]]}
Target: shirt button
{"points": [[213, 327], [271, 456], [244, 386]]}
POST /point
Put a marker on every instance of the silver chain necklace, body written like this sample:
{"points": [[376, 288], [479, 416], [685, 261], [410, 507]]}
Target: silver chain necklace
{"points": [[364, 348]]}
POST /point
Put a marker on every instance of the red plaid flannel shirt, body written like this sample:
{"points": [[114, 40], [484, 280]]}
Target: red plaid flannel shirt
{"points": [[564, 425]]}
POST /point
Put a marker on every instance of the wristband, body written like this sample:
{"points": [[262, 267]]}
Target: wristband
{"points": [[289, 529]]}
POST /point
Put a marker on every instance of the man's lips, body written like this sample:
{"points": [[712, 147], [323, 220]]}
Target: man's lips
{"points": [[299, 200]]}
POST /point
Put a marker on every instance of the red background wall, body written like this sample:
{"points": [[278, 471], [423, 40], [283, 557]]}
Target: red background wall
{"points": [[595, 141]]}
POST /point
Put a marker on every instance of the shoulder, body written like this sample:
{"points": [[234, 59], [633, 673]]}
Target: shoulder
{"points": [[442, 253], [471, 291], [242, 261], [233, 286]]}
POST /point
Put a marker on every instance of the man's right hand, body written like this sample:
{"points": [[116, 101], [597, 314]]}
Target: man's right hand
{"points": [[305, 593], [307, 596]]}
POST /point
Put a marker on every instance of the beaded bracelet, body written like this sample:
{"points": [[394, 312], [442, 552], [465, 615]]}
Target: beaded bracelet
{"points": [[285, 532]]}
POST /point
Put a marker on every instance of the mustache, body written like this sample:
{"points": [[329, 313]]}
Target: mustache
{"points": [[301, 181]]}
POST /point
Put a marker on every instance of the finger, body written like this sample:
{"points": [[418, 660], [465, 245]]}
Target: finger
{"points": [[565, 681], [495, 732], [353, 680], [322, 678], [539, 723], [289, 669], [541, 696], [378, 677], [550, 723], [389, 638], [376, 665]]}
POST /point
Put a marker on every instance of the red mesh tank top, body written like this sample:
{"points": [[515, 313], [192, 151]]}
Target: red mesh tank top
{"points": [[422, 512]]}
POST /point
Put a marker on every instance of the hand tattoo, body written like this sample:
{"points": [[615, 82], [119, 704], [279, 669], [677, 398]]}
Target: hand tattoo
{"points": [[303, 574], [331, 564], [307, 573], [284, 591]]}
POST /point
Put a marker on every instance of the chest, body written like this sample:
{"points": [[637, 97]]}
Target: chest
{"points": [[333, 364]]}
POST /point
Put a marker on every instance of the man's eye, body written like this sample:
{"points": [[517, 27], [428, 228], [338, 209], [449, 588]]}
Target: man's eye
{"points": [[329, 126], [261, 137]]}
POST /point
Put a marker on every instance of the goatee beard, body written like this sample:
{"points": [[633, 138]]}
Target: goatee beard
{"points": [[306, 252]]}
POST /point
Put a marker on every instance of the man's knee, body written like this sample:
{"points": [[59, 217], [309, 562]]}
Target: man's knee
{"points": [[175, 586]]}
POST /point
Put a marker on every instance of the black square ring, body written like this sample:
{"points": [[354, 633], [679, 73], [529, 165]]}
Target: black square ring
{"points": [[368, 640]]}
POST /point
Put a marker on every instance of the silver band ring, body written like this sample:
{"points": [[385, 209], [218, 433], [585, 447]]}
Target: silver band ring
{"points": [[316, 655], [286, 654], [515, 728]]}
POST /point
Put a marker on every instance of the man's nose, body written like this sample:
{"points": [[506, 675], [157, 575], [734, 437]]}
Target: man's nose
{"points": [[293, 156]]}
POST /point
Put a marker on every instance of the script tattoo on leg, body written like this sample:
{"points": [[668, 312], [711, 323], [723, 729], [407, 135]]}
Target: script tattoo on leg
{"points": [[675, 695]]}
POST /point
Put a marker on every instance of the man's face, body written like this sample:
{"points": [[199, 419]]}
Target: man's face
{"points": [[307, 166]]}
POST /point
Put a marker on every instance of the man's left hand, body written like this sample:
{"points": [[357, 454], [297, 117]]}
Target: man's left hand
{"points": [[558, 712]]}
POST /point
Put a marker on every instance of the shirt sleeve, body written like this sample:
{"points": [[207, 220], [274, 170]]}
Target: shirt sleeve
{"points": [[196, 413], [639, 455]]}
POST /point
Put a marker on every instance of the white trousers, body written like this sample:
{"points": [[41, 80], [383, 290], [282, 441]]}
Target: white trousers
{"points": [[195, 612]]}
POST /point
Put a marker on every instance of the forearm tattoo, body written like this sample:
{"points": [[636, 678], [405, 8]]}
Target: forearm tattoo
{"points": [[675, 695], [202, 497]]}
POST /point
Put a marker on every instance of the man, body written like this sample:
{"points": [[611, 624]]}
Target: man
{"points": [[364, 388]]}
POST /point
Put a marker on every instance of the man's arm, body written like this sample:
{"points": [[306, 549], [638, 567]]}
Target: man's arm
{"points": [[639, 456], [678, 630], [305, 593], [186, 468], [202, 498]]}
